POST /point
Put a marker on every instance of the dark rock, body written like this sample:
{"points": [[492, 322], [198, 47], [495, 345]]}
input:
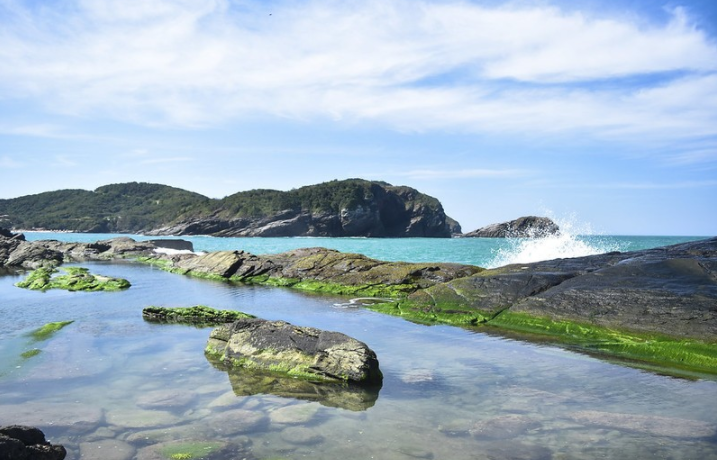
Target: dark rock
{"points": [[176, 244], [30, 255], [302, 352], [670, 290], [8, 234], [27, 443], [523, 227]]}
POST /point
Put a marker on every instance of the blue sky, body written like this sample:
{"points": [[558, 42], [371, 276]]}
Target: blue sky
{"points": [[602, 112]]}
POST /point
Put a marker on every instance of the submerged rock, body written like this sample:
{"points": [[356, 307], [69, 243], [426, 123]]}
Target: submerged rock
{"points": [[303, 352], [650, 424], [27, 443]]}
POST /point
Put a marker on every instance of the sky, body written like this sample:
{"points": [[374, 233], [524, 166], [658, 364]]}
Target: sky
{"points": [[600, 112]]}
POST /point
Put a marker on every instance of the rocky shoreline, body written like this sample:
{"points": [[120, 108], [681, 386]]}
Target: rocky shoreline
{"points": [[657, 306]]}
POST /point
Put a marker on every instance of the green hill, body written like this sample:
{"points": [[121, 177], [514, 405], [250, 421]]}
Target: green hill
{"points": [[327, 209]]}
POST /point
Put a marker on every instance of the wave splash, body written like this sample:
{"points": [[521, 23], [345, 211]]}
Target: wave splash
{"points": [[572, 241]]}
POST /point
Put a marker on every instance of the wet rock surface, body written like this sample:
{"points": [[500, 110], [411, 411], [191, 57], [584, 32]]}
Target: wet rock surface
{"points": [[303, 352], [523, 227], [19, 442], [670, 290]]}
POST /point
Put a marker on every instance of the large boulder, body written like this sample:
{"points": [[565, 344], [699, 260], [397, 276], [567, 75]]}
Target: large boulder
{"points": [[301, 352], [670, 290], [523, 227], [27, 443]]}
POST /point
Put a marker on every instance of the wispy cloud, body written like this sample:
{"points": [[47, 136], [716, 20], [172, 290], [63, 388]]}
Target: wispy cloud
{"points": [[7, 162], [165, 160], [462, 173], [662, 185], [411, 65]]}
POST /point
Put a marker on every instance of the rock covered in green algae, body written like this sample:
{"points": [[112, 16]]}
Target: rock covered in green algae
{"points": [[302, 352], [324, 270], [75, 279], [198, 315]]}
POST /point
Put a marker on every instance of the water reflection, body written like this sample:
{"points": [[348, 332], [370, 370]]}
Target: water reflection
{"points": [[249, 382]]}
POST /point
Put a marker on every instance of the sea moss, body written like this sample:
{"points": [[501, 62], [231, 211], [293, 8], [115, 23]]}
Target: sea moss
{"points": [[48, 330], [190, 450], [75, 279]]}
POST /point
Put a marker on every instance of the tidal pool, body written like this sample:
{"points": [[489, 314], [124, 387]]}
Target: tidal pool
{"points": [[111, 386]]}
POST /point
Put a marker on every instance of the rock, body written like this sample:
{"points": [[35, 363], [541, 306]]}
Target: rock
{"points": [[175, 244], [649, 424], [76, 279], [523, 227], [165, 399], [194, 449], [294, 414], [670, 290], [73, 418], [198, 315], [27, 443], [503, 427], [303, 352], [30, 255], [140, 418], [301, 435], [106, 449], [235, 421]]}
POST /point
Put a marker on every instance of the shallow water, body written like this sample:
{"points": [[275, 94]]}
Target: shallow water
{"points": [[111, 386]]}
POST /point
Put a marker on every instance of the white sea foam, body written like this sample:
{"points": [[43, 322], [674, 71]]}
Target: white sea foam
{"points": [[572, 241]]}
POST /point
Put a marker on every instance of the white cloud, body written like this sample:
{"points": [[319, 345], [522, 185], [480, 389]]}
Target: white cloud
{"points": [[413, 65]]}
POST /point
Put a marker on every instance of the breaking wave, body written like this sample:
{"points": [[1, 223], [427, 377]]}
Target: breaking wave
{"points": [[572, 241]]}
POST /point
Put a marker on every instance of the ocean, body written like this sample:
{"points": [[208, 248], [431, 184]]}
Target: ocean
{"points": [[483, 252], [111, 386]]}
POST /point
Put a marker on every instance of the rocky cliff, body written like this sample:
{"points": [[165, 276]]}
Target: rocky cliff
{"points": [[523, 227]]}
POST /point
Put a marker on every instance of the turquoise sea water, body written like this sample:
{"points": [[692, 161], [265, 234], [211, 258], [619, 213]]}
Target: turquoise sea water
{"points": [[484, 252], [111, 386]]}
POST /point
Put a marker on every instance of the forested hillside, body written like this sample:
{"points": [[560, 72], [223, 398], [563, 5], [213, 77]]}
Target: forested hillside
{"points": [[331, 208]]}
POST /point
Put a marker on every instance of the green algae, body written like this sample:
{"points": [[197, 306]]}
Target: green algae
{"points": [[663, 353], [75, 279], [190, 450], [656, 350], [30, 353], [48, 330], [198, 315]]}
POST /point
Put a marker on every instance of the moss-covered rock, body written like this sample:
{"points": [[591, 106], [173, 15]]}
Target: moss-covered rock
{"points": [[75, 279], [287, 350], [198, 315]]}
